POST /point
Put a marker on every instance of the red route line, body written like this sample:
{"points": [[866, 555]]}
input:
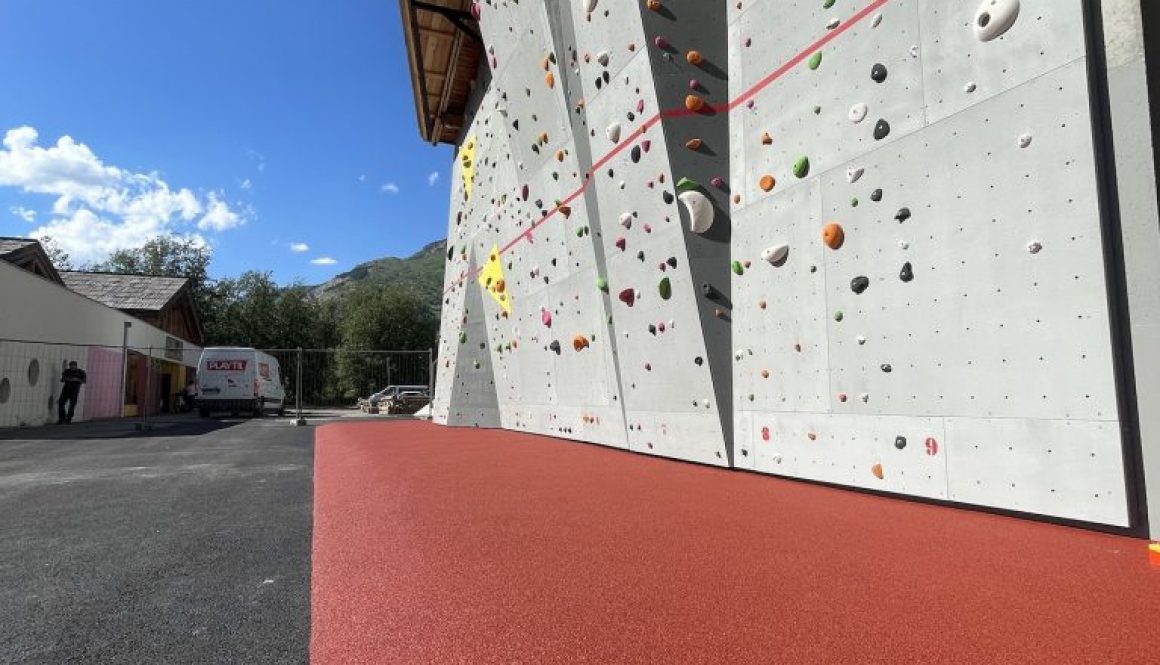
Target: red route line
{"points": [[830, 35]]}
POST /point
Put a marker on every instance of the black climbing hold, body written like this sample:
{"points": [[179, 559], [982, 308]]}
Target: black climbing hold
{"points": [[555, 346], [900, 442], [652, 329], [876, 195], [668, 197], [902, 215], [887, 368], [907, 272], [859, 284], [881, 130], [878, 73], [699, 360], [553, 262], [640, 255], [635, 154], [672, 262]]}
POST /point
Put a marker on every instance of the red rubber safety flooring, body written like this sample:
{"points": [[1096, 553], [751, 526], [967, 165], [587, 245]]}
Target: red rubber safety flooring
{"points": [[440, 545]]}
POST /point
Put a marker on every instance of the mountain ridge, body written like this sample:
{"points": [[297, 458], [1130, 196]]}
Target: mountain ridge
{"points": [[420, 275]]}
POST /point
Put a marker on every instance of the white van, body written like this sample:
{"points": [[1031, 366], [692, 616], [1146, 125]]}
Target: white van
{"points": [[238, 379]]}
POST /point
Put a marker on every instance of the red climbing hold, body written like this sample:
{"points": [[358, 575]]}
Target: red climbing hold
{"points": [[931, 446], [579, 342], [627, 296]]}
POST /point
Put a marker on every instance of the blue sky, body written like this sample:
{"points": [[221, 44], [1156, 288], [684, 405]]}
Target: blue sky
{"points": [[254, 124]]}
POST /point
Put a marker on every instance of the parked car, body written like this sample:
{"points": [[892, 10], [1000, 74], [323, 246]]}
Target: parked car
{"points": [[236, 380]]}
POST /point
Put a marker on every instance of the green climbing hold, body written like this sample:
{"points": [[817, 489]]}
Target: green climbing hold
{"points": [[838, 315], [462, 338], [854, 202], [665, 288], [687, 185], [602, 284], [815, 60], [801, 167], [826, 4], [738, 269], [579, 231]]}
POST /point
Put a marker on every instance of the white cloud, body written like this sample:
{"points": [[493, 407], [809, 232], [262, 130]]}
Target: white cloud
{"points": [[432, 178], [258, 157], [23, 213], [99, 208], [246, 184], [362, 178], [299, 247], [391, 187], [323, 261]]}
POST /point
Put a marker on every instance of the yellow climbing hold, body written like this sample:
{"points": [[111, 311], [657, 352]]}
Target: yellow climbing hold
{"points": [[492, 280], [467, 162]]}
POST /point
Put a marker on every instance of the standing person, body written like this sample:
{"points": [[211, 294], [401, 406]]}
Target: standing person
{"points": [[189, 396], [73, 379]]}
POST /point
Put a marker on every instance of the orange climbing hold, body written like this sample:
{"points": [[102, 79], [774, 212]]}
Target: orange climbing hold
{"points": [[566, 211], [766, 183], [694, 57], [833, 235], [559, 155], [766, 139], [550, 79], [500, 285], [654, 5], [579, 342], [693, 144], [765, 374], [694, 103], [877, 471]]}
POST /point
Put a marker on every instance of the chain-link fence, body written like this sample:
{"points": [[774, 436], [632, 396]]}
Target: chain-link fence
{"points": [[47, 382]]}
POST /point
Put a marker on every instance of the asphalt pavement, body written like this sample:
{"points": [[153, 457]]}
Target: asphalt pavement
{"points": [[189, 543]]}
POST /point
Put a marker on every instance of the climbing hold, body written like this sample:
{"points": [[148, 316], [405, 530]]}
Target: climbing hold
{"points": [[833, 23], [589, 6], [766, 139], [661, 43], [853, 174], [687, 184], [579, 342], [694, 103], [833, 235], [931, 446], [613, 132], [969, 87], [718, 182], [693, 144], [995, 17], [737, 268], [877, 471], [881, 130], [602, 284], [550, 80], [900, 442], [1024, 140], [902, 215], [475, 10], [886, 368], [766, 183], [602, 58], [665, 288], [859, 284], [1034, 247], [841, 397], [634, 154], [462, 338], [776, 254], [693, 57], [626, 220], [801, 167], [700, 211], [566, 211], [765, 374], [907, 272], [627, 296], [878, 72], [654, 5], [546, 317], [838, 316], [876, 195], [815, 60], [620, 243], [826, 4], [858, 113], [861, 339]]}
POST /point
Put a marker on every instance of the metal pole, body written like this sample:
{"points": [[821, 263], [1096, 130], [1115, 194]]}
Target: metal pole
{"points": [[124, 368], [298, 389], [430, 384], [148, 400]]}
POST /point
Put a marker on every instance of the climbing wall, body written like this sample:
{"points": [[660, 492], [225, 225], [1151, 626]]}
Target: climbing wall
{"points": [[920, 304]]}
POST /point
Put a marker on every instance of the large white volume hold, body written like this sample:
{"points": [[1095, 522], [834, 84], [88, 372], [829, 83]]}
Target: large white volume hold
{"points": [[589, 6], [700, 211], [994, 17], [613, 132]]}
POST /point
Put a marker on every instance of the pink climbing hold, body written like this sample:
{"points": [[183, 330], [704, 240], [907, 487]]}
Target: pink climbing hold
{"points": [[546, 317], [931, 446], [640, 106], [645, 145], [475, 10], [628, 297], [648, 228], [661, 326], [524, 192], [661, 42], [621, 243], [718, 183], [765, 434]]}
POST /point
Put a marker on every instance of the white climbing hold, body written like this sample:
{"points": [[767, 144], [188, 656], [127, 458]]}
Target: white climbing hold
{"points": [[852, 174], [626, 220], [914, 50], [858, 113], [876, 21], [861, 340], [700, 211], [969, 87], [1034, 247], [834, 22], [865, 397], [602, 58], [995, 17], [589, 6], [1024, 140], [613, 132], [902, 244], [775, 254]]}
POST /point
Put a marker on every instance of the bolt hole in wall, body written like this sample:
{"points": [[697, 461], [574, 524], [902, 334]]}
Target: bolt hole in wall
{"points": [[895, 199]]}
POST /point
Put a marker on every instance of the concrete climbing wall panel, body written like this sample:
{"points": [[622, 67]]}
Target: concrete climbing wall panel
{"points": [[918, 346]]}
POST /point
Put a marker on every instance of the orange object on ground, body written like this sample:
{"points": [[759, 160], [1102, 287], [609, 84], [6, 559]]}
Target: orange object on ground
{"points": [[833, 235], [766, 183]]}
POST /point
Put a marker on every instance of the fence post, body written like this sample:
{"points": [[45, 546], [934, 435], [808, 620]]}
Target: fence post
{"points": [[430, 383], [299, 421], [148, 400], [124, 369]]}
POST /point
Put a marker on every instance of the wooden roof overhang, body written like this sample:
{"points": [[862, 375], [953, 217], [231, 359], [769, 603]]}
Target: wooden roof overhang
{"points": [[444, 49]]}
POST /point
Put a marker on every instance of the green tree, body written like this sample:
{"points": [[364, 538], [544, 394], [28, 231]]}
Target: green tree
{"points": [[60, 258], [170, 256], [374, 318]]}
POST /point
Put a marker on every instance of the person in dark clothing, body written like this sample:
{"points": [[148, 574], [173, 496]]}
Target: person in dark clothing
{"points": [[73, 378]]}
